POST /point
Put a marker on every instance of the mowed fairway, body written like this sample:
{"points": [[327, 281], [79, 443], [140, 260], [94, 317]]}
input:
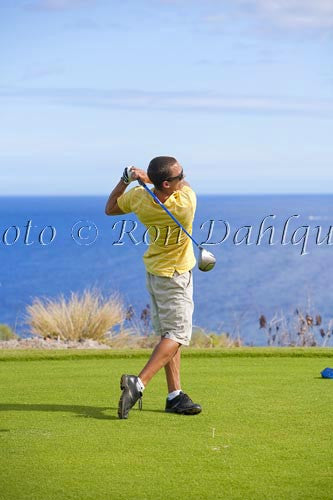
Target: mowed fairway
{"points": [[265, 431]]}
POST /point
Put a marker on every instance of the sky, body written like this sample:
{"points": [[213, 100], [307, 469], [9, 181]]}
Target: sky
{"points": [[239, 91]]}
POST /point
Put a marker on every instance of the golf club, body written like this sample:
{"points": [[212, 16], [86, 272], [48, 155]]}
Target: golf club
{"points": [[206, 260]]}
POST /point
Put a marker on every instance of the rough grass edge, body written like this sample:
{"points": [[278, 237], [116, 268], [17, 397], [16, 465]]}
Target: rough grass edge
{"points": [[241, 352]]}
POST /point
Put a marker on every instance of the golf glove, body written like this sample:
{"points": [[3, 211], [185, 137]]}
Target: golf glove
{"points": [[127, 175]]}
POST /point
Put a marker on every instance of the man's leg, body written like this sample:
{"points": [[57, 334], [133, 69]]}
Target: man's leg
{"points": [[172, 307], [172, 373], [163, 353], [177, 401], [133, 386]]}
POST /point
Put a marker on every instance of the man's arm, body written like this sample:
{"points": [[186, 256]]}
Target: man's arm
{"points": [[111, 207]]}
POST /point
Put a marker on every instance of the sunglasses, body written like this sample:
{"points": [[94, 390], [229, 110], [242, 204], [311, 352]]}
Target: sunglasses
{"points": [[178, 177]]}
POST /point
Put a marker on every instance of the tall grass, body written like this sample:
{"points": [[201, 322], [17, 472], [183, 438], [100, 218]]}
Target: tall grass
{"points": [[86, 316], [6, 333], [299, 330]]}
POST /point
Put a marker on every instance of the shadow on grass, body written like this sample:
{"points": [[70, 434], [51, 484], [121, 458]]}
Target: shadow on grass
{"points": [[79, 411]]}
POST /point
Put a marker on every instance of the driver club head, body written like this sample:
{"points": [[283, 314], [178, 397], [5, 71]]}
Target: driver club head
{"points": [[206, 260]]}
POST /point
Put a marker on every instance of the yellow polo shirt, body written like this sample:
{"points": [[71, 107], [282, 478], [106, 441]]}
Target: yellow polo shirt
{"points": [[169, 248]]}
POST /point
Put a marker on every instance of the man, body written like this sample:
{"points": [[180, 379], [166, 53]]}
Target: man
{"points": [[169, 261]]}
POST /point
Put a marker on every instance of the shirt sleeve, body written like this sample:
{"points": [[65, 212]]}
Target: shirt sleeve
{"points": [[188, 197], [125, 201]]}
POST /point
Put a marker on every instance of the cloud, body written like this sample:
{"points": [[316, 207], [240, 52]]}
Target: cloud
{"points": [[297, 13], [57, 5], [294, 14], [185, 101]]}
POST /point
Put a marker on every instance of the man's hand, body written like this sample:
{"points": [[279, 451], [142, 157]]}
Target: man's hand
{"points": [[129, 174], [138, 173]]}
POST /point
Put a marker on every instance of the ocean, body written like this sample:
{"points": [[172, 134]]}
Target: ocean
{"points": [[52, 245]]}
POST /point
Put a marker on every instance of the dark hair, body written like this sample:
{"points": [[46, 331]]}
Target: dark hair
{"points": [[159, 169]]}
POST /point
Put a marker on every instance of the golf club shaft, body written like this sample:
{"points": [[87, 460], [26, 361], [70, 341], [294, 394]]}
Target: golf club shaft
{"points": [[167, 211]]}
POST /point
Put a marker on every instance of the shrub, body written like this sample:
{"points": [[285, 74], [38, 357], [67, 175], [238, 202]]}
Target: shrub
{"points": [[201, 338], [302, 329], [132, 339], [6, 333], [89, 316]]}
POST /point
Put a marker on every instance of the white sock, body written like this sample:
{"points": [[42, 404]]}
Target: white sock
{"points": [[173, 394], [139, 385]]}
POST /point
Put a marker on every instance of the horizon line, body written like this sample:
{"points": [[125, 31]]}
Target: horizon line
{"points": [[197, 193]]}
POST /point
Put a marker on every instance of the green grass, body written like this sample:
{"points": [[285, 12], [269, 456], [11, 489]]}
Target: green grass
{"points": [[61, 354], [60, 437]]}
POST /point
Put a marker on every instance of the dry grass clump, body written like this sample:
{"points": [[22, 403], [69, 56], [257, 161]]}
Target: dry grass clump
{"points": [[300, 330], [6, 332], [202, 339], [89, 316], [132, 339]]}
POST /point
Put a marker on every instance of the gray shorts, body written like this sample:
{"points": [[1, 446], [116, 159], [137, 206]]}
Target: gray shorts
{"points": [[172, 305]]}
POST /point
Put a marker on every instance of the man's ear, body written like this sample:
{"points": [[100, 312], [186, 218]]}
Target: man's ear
{"points": [[165, 185]]}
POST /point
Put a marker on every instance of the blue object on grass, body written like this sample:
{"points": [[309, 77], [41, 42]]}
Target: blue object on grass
{"points": [[327, 373]]}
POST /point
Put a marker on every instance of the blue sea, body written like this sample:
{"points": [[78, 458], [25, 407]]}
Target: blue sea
{"points": [[53, 245]]}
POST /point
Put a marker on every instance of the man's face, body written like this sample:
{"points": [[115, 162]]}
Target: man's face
{"points": [[175, 178]]}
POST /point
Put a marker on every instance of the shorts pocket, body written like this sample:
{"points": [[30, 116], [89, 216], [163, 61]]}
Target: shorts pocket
{"points": [[184, 279], [188, 280]]}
